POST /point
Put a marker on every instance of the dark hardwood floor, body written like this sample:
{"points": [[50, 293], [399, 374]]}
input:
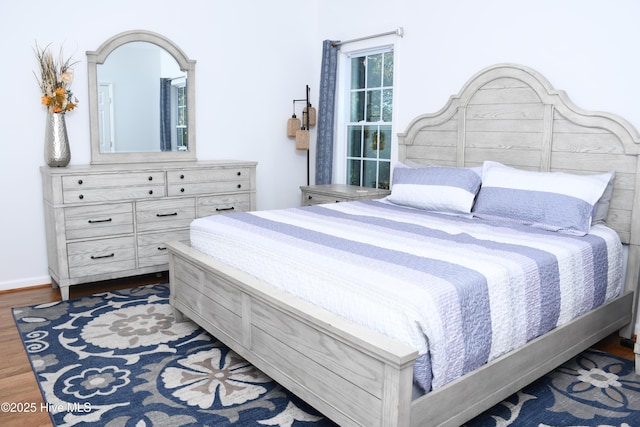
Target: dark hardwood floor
{"points": [[17, 381]]}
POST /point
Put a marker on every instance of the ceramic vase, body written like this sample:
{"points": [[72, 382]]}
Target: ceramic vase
{"points": [[56, 141]]}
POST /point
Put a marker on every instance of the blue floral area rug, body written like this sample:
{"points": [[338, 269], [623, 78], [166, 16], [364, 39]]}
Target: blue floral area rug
{"points": [[120, 359], [592, 389]]}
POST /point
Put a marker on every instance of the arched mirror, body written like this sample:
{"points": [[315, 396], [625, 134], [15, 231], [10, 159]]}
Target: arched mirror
{"points": [[141, 100]]}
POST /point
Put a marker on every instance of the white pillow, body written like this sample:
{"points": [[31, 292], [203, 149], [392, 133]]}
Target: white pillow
{"points": [[601, 209], [555, 201]]}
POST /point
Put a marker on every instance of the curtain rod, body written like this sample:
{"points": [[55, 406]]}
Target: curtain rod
{"points": [[399, 31]]}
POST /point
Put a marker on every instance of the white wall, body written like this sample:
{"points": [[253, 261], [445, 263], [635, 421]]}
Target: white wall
{"points": [[255, 57]]}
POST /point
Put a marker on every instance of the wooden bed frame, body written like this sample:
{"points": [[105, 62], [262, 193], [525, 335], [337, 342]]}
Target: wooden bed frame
{"points": [[507, 113]]}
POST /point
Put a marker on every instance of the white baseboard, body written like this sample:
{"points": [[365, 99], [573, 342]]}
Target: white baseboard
{"points": [[24, 283]]}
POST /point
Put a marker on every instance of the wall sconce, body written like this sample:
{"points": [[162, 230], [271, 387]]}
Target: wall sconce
{"points": [[300, 129]]}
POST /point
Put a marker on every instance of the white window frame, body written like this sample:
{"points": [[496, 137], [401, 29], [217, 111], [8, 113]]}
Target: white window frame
{"points": [[176, 85], [343, 93]]}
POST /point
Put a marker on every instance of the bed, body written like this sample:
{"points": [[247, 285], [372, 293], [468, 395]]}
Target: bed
{"points": [[357, 373]]}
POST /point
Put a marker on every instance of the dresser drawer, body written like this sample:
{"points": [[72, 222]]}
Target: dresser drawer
{"points": [[110, 187], [206, 181], [157, 215], [335, 193], [152, 249], [98, 220], [211, 205], [208, 175], [317, 199], [101, 256]]}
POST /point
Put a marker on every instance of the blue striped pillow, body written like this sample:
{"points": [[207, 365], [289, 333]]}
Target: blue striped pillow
{"points": [[435, 188], [554, 201]]}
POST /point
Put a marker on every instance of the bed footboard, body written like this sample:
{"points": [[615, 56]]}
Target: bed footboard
{"points": [[352, 375]]}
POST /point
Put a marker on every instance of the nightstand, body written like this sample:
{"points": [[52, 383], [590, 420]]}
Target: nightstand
{"points": [[335, 193]]}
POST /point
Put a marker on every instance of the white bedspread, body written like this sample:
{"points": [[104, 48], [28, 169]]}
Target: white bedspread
{"points": [[461, 291]]}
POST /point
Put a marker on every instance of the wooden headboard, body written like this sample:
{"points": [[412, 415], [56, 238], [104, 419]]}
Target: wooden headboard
{"points": [[511, 114]]}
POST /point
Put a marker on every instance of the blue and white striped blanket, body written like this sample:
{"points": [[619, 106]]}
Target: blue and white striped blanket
{"points": [[462, 291]]}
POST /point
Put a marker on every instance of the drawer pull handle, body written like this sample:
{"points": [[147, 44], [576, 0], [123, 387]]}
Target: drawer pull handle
{"points": [[111, 255], [150, 178], [169, 214], [239, 173], [225, 209], [181, 176], [182, 190], [150, 191], [309, 197], [239, 185], [95, 221], [80, 182], [81, 197], [161, 248]]}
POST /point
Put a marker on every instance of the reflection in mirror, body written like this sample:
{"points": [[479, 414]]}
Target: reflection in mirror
{"points": [[141, 100]]}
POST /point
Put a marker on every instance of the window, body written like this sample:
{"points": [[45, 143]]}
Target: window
{"points": [[181, 117], [368, 126]]}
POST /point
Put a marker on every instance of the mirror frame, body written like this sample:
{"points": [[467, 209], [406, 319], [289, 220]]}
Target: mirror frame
{"points": [[188, 65]]}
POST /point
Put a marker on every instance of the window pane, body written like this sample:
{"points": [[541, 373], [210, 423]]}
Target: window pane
{"points": [[374, 71], [182, 137], [353, 172], [354, 143], [384, 174], [357, 106], [384, 142], [388, 69], [358, 70], [369, 173], [373, 105], [182, 117], [387, 105], [371, 142]]}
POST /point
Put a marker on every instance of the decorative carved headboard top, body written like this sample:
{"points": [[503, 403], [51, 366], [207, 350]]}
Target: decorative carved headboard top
{"points": [[511, 114]]}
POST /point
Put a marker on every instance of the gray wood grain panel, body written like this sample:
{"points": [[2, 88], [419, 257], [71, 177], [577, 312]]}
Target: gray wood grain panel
{"points": [[156, 215], [224, 203], [101, 256], [84, 222], [152, 247], [109, 180]]}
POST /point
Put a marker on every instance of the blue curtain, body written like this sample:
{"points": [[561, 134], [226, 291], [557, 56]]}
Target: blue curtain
{"points": [[165, 114], [326, 113]]}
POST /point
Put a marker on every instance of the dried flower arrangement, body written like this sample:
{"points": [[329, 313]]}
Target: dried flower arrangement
{"points": [[55, 80]]}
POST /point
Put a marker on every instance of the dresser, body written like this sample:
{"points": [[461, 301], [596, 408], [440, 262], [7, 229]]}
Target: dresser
{"points": [[109, 221], [335, 193]]}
